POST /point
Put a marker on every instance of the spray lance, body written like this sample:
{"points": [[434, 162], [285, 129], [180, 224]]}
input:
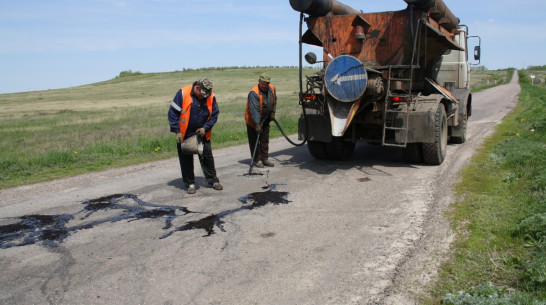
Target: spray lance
{"points": [[254, 152]]}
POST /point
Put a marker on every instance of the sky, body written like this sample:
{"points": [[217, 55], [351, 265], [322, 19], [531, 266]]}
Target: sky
{"points": [[63, 43]]}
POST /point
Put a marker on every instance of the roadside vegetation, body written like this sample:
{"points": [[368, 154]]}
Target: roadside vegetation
{"points": [[539, 73], [484, 79], [499, 256]]}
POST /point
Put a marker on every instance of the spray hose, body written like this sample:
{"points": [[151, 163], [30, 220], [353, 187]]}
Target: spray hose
{"points": [[301, 94], [306, 129]]}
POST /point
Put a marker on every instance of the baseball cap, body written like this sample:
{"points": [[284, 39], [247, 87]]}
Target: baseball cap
{"points": [[264, 77], [206, 86]]}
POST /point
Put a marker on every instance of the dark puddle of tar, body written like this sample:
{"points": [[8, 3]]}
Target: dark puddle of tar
{"points": [[51, 230]]}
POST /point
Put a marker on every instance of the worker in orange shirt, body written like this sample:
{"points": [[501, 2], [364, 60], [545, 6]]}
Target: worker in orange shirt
{"points": [[194, 111], [260, 111]]}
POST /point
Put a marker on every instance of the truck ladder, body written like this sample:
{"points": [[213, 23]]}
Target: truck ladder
{"points": [[389, 112]]}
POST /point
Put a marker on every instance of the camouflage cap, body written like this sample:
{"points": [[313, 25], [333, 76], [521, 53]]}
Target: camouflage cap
{"points": [[264, 77], [206, 86]]}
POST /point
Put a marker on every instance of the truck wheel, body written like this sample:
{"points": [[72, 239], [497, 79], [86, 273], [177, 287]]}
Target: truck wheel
{"points": [[461, 131], [413, 153], [317, 149], [339, 149], [435, 153]]}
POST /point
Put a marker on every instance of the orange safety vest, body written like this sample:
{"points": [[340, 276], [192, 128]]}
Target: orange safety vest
{"points": [[185, 112], [256, 89]]}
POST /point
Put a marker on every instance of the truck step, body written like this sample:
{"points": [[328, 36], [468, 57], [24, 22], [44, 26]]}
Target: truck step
{"points": [[394, 145], [396, 128]]}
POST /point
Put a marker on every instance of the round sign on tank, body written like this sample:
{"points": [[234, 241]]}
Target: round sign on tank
{"points": [[346, 78]]}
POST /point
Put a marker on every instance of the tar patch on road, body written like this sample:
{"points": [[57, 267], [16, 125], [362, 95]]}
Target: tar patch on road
{"points": [[51, 230], [256, 200], [30, 229]]}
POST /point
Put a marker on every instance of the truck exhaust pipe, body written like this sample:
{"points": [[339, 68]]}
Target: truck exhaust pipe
{"points": [[319, 8]]}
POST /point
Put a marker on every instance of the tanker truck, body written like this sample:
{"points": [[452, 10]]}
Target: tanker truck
{"points": [[396, 78]]}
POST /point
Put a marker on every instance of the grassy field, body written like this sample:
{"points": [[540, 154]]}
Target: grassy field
{"points": [[51, 134], [483, 79], [499, 256], [56, 133], [540, 76]]}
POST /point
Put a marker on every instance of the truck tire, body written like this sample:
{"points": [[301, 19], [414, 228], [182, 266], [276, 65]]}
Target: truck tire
{"points": [[435, 153], [317, 149], [339, 149], [461, 130]]}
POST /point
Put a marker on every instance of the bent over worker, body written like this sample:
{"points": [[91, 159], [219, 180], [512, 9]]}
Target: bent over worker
{"points": [[194, 111], [260, 111]]}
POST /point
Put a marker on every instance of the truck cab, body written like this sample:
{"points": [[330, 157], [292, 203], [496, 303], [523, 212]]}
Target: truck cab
{"points": [[453, 73]]}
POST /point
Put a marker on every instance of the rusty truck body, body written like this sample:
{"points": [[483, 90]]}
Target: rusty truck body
{"points": [[396, 78]]}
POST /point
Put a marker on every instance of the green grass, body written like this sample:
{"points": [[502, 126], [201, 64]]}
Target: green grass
{"points": [[485, 79], [540, 75], [499, 256]]}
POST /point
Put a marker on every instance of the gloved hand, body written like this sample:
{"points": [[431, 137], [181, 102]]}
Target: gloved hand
{"points": [[179, 138], [272, 116], [258, 128], [200, 132]]}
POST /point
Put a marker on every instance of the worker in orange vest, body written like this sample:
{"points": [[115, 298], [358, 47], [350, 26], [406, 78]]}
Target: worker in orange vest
{"points": [[194, 111], [260, 111]]}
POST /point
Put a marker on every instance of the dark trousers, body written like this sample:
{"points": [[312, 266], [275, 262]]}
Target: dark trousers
{"points": [[207, 165], [262, 151]]}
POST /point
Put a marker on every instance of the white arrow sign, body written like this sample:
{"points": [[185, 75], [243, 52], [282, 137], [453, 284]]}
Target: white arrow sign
{"points": [[338, 79]]}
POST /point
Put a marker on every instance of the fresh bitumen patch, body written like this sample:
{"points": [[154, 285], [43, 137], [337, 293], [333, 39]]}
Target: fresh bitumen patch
{"points": [[51, 230]]}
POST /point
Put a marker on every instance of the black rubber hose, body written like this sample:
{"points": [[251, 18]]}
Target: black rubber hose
{"points": [[301, 95], [306, 129]]}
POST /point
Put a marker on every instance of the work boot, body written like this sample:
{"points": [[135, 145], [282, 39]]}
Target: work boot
{"points": [[268, 163], [260, 164], [191, 189], [217, 186]]}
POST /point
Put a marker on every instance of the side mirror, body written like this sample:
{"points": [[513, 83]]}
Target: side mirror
{"points": [[311, 58], [477, 51]]}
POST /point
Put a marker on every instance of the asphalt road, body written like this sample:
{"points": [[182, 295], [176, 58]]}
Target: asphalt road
{"points": [[365, 231]]}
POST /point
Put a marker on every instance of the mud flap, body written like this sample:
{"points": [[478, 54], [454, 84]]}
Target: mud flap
{"points": [[319, 128], [422, 120], [420, 127]]}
